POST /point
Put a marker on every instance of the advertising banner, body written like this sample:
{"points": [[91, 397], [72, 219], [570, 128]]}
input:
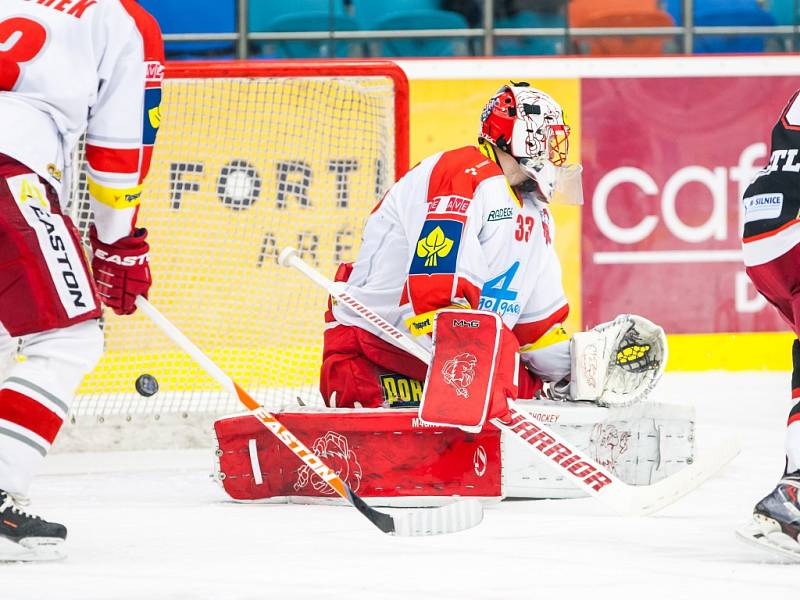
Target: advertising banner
{"points": [[666, 163]]}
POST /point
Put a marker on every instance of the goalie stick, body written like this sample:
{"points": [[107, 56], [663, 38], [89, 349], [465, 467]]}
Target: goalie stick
{"points": [[457, 516], [546, 444]]}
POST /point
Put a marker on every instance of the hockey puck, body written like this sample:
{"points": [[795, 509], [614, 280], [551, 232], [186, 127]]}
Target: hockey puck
{"points": [[146, 385]]}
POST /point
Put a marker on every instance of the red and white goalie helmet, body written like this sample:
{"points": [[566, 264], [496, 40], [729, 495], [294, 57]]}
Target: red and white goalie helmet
{"points": [[529, 125]]}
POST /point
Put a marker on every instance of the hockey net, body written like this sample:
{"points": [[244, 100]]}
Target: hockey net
{"points": [[251, 157]]}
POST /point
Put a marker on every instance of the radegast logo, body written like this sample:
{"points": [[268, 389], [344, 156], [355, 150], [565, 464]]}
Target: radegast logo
{"points": [[459, 372], [501, 214], [334, 449]]}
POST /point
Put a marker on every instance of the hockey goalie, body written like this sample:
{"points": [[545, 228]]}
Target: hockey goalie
{"points": [[459, 256]]}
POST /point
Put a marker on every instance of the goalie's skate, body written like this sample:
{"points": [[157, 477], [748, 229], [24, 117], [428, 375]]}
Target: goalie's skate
{"points": [[26, 537], [776, 521]]}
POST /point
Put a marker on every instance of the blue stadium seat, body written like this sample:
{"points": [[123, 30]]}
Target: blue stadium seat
{"points": [[675, 9], [528, 45], [310, 21], [422, 19], [195, 16], [783, 11], [370, 12], [731, 13], [263, 12]]}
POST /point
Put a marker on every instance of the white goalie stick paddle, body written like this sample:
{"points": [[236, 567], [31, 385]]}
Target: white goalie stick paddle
{"points": [[546, 444], [453, 517]]}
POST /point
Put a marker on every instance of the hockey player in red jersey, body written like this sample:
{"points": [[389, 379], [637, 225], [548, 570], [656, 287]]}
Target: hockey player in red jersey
{"points": [[66, 68], [468, 228], [771, 246]]}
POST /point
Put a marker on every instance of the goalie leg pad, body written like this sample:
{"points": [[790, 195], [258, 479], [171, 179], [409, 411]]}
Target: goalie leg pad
{"points": [[387, 455], [390, 457]]}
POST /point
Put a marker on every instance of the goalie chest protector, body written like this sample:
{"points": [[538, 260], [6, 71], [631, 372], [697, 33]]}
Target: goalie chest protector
{"points": [[379, 454]]}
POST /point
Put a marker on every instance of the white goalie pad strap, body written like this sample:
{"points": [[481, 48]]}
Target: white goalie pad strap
{"points": [[617, 363]]}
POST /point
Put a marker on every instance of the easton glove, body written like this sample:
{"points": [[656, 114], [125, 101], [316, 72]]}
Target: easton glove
{"points": [[121, 270]]}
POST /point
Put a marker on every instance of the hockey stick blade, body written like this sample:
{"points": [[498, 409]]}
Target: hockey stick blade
{"points": [[440, 521], [450, 518]]}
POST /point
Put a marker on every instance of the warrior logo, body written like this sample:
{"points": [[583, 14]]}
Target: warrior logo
{"points": [[459, 372], [334, 449], [611, 444]]}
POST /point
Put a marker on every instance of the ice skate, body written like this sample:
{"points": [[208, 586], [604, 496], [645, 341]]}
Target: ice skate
{"points": [[26, 537], [776, 520]]}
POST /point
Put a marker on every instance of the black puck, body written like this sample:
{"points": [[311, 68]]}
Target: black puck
{"points": [[146, 385]]}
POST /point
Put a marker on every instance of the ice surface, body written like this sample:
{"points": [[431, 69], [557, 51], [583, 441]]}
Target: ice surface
{"points": [[152, 525]]}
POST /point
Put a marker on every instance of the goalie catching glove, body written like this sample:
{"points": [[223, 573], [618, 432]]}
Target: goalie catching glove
{"points": [[121, 270], [617, 363]]}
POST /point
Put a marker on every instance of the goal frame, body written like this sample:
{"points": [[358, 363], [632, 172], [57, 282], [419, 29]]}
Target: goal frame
{"points": [[310, 68], [186, 411]]}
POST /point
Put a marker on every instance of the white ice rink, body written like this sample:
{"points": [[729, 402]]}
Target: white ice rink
{"points": [[152, 526]]}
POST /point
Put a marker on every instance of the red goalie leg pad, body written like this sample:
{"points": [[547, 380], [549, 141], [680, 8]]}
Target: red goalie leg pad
{"points": [[473, 370], [378, 453]]}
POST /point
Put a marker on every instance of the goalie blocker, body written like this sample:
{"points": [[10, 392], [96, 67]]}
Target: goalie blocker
{"points": [[391, 458]]}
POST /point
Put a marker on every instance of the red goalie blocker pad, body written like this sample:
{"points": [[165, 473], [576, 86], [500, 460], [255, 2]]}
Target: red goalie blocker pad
{"points": [[379, 453], [473, 371]]}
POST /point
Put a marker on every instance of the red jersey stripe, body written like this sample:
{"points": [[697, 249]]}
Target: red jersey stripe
{"points": [[768, 234], [148, 28], [113, 160], [30, 414]]}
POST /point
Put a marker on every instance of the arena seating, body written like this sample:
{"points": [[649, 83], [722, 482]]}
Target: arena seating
{"points": [[619, 13], [422, 19], [730, 13], [529, 45], [219, 16], [205, 16]]}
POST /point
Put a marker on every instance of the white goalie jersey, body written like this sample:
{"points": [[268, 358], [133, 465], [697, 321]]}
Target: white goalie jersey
{"points": [[452, 232]]}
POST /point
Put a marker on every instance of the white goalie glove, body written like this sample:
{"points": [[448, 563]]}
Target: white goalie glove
{"points": [[617, 363]]}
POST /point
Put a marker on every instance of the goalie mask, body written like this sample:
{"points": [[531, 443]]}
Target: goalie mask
{"points": [[529, 125]]}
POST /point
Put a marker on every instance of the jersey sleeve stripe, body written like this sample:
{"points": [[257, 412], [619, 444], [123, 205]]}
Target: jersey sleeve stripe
{"points": [[148, 29], [153, 48], [113, 160], [530, 333]]}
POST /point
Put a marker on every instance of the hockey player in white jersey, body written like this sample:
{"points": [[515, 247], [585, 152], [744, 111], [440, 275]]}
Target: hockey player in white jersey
{"points": [[66, 68], [471, 228]]}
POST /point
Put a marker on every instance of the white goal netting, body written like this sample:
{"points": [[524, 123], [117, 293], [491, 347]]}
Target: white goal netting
{"points": [[244, 166]]}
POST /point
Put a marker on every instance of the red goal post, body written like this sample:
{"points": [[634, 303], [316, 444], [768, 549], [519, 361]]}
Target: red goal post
{"points": [[251, 156]]}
